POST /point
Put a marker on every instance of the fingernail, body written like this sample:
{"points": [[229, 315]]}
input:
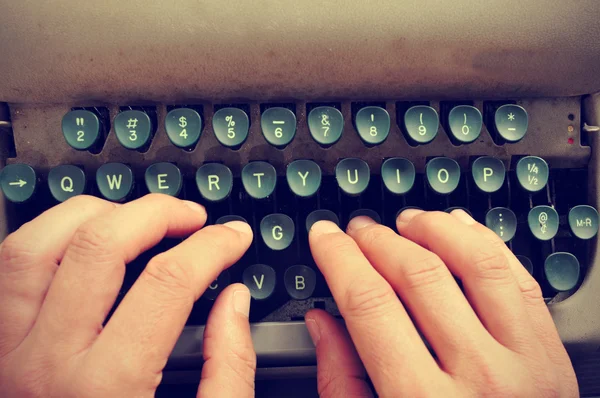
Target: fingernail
{"points": [[241, 302], [195, 206], [313, 330], [407, 215], [239, 226], [463, 216], [360, 222], [324, 227]]}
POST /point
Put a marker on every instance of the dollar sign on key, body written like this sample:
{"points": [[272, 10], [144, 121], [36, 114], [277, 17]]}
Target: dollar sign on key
{"points": [[182, 121]]}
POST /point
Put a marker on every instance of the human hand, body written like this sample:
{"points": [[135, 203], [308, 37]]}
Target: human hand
{"points": [[52, 340], [497, 339]]}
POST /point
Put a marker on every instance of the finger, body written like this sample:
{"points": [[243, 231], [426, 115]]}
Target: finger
{"points": [[382, 331], [91, 273], [29, 259], [339, 370], [539, 316], [428, 290], [484, 270], [154, 311], [229, 358]]}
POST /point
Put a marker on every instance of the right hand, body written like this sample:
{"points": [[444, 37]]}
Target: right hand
{"points": [[497, 339]]}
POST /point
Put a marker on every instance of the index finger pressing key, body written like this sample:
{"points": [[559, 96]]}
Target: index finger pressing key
{"points": [[385, 337]]}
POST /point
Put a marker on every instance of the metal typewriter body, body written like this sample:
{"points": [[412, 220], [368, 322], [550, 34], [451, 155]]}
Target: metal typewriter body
{"points": [[115, 54]]}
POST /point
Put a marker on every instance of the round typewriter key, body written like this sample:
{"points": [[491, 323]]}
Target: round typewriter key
{"points": [[115, 181], [163, 178], [372, 214], [260, 279], [133, 129], [583, 221], [259, 179], [18, 182], [502, 221], [352, 175], [398, 175], [183, 126], [214, 181], [532, 173], [231, 126], [228, 218], [465, 123], [372, 124], [488, 173], [562, 271], [443, 175], [81, 129], [277, 231], [319, 215], [527, 264], [326, 124], [511, 122], [278, 126], [421, 123], [303, 177], [300, 281], [215, 288], [543, 222], [66, 181]]}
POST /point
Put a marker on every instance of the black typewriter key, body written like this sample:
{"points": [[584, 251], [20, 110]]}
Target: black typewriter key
{"points": [[277, 231], [398, 175], [465, 123], [532, 173], [278, 126], [583, 221], [260, 280], [511, 122], [81, 129], [372, 124], [488, 173], [372, 214], [228, 218], [231, 126], [562, 271], [352, 175], [326, 124], [215, 288], [183, 127], [421, 123], [303, 177], [163, 178], [321, 215], [543, 222], [443, 175], [18, 182], [214, 181], [300, 281], [259, 179], [115, 181], [527, 264], [502, 221], [133, 129], [66, 181]]}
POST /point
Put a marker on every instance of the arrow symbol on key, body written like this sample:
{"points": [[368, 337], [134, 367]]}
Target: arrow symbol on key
{"points": [[20, 183]]}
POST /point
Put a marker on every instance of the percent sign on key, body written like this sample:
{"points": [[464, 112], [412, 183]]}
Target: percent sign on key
{"points": [[230, 126]]}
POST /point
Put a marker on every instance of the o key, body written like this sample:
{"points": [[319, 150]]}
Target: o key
{"points": [[443, 175]]}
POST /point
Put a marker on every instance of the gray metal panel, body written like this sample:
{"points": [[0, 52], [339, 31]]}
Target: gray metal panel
{"points": [[125, 50]]}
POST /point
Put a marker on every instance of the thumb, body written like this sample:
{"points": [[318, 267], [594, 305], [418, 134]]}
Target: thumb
{"points": [[229, 357], [340, 372]]}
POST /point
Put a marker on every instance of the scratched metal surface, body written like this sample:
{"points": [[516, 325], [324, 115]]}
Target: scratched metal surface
{"points": [[123, 51]]}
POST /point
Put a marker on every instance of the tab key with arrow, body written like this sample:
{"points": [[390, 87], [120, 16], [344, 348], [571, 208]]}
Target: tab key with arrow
{"points": [[18, 182]]}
